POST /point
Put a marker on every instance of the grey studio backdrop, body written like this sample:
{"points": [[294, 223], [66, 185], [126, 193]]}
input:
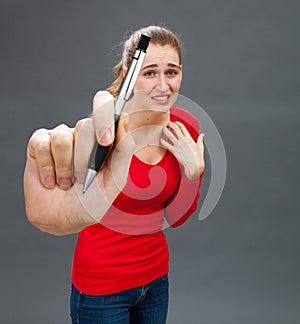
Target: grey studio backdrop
{"points": [[241, 264]]}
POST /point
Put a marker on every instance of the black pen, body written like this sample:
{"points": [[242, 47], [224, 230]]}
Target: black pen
{"points": [[99, 152]]}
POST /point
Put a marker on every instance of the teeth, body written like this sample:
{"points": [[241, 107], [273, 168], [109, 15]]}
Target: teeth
{"points": [[161, 98]]}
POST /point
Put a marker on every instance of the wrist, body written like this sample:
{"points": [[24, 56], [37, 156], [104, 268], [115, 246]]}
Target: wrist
{"points": [[193, 174]]}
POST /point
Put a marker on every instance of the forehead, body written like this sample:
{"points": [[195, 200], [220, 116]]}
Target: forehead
{"points": [[157, 54]]}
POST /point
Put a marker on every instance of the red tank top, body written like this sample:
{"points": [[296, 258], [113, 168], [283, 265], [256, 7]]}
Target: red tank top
{"points": [[128, 248]]}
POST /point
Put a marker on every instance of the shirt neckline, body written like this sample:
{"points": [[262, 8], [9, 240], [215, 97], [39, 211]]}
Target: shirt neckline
{"points": [[155, 164]]}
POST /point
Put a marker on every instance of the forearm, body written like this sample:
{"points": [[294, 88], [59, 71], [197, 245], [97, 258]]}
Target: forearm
{"points": [[184, 202]]}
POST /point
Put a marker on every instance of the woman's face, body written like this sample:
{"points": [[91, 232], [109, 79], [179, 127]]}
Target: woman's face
{"points": [[160, 77]]}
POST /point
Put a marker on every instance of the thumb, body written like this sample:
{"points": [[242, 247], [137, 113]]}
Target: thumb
{"points": [[122, 126], [200, 142], [124, 139], [200, 138]]}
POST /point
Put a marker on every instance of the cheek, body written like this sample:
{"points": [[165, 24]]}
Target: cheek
{"points": [[143, 84], [175, 84]]}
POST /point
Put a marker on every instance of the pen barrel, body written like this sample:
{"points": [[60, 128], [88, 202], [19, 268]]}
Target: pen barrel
{"points": [[99, 152], [126, 89]]}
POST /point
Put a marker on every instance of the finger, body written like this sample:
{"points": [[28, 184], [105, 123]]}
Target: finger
{"points": [[183, 129], [175, 129], [84, 142], [200, 140], [201, 137], [166, 144], [169, 134], [103, 116], [61, 139], [200, 144], [39, 149]]}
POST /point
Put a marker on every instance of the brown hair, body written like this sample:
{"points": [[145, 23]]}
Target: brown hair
{"points": [[159, 36]]}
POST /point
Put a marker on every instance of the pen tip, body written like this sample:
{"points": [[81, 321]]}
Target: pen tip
{"points": [[90, 176]]}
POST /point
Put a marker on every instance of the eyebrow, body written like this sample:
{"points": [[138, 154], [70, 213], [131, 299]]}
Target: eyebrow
{"points": [[155, 65]]}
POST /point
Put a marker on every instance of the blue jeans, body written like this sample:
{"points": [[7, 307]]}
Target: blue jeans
{"points": [[142, 305]]}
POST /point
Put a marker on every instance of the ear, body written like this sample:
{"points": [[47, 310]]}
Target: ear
{"points": [[180, 67], [124, 71]]}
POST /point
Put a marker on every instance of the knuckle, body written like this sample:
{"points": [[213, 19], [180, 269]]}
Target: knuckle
{"points": [[40, 145], [62, 128], [103, 94], [84, 127], [39, 132], [61, 139], [37, 136], [82, 123]]}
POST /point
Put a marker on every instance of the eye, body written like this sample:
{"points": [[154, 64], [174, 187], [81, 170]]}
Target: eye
{"points": [[172, 73], [149, 74]]}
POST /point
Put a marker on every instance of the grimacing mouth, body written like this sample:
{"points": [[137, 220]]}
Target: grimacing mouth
{"points": [[161, 97]]}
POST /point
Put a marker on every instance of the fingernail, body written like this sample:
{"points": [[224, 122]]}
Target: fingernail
{"points": [[105, 136], [49, 182], [65, 183]]}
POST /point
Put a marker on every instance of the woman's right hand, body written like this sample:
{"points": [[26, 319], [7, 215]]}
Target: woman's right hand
{"points": [[58, 156]]}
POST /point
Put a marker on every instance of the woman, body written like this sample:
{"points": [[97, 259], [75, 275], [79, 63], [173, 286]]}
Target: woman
{"points": [[152, 175]]}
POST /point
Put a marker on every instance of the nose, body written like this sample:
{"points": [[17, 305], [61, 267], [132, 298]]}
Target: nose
{"points": [[162, 83]]}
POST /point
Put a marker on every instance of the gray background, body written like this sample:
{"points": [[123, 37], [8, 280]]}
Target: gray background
{"points": [[240, 265]]}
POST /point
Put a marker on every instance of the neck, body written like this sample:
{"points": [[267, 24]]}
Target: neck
{"points": [[147, 118]]}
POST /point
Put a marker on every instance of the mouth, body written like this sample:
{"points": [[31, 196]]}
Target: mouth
{"points": [[161, 99]]}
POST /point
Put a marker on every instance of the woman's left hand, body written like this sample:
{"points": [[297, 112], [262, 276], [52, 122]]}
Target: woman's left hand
{"points": [[190, 154]]}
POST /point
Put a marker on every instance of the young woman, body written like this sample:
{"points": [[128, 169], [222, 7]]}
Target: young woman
{"points": [[151, 178]]}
